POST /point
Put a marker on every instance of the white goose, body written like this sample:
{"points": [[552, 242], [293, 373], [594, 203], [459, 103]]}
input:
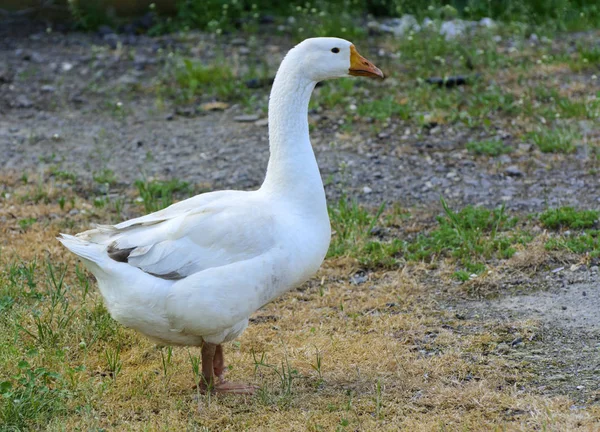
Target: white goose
{"points": [[193, 273]]}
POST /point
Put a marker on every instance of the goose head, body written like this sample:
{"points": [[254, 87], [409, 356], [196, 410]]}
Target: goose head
{"points": [[326, 57]]}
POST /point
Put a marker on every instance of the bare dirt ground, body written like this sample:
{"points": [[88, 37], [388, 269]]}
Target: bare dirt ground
{"points": [[58, 94]]}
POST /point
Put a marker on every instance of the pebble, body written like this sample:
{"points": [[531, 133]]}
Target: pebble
{"points": [[367, 190], [262, 122], [513, 171], [23, 101], [47, 89], [238, 42], [246, 118], [359, 278], [112, 40]]}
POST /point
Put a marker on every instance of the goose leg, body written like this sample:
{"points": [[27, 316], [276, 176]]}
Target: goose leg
{"points": [[219, 363], [208, 355], [213, 364]]}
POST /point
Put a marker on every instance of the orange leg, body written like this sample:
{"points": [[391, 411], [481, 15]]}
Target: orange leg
{"points": [[213, 365]]}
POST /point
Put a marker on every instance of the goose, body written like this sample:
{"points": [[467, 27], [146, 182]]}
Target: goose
{"points": [[193, 273]]}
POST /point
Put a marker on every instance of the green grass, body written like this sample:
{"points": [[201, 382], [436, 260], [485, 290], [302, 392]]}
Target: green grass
{"points": [[158, 194], [586, 242], [560, 140], [351, 224], [491, 147], [33, 394], [569, 218], [472, 235]]}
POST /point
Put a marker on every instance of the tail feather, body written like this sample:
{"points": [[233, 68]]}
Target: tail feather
{"points": [[92, 252]]}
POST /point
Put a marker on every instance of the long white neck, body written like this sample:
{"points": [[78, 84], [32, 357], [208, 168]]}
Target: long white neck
{"points": [[292, 169]]}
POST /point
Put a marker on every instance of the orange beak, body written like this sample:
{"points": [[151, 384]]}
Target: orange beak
{"points": [[360, 66]]}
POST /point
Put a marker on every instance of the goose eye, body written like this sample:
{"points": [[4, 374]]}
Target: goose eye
{"points": [[335, 50]]}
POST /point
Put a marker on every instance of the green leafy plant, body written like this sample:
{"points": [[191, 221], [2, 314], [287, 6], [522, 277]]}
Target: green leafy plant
{"points": [[569, 217], [488, 147], [157, 194]]}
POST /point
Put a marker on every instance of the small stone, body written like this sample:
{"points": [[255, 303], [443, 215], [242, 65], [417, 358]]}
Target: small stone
{"points": [[359, 278], [23, 101], [262, 122], [246, 118], [513, 171], [36, 57], [73, 212], [238, 42], [112, 40], [66, 66], [5, 75], [47, 89], [367, 190], [504, 159], [244, 50]]}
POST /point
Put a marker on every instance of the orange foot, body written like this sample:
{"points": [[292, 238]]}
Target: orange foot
{"points": [[235, 388]]}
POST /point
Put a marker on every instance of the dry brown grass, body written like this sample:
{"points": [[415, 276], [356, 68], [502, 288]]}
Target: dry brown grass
{"points": [[393, 356]]}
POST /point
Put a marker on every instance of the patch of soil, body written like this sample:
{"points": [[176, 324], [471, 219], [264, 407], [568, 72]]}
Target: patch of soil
{"points": [[565, 355]]}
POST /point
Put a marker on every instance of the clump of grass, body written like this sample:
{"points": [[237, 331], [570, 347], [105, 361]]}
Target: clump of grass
{"points": [[586, 242], [489, 147], [587, 58], [352, 225], [105, 177], [555, 140], [569, 218], [32, 396], [27, 223], [383, 109], [472, 235], [157, 194], [195, 78]]}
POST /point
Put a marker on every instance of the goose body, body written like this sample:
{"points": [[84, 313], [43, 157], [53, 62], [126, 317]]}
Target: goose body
{"points": [[193, 273]]}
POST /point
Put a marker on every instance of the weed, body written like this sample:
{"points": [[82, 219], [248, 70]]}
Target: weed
{"points": [[569, 218], [27, 223], [555, 140], [317, 367], [157, 194], [351, 224], [113, 361], [166, 360], [286, 375], [33, 396], [586, 242], [471, 235], [52, 322], [384, 108], [105, 176], [488, 147], [63, 175]]}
